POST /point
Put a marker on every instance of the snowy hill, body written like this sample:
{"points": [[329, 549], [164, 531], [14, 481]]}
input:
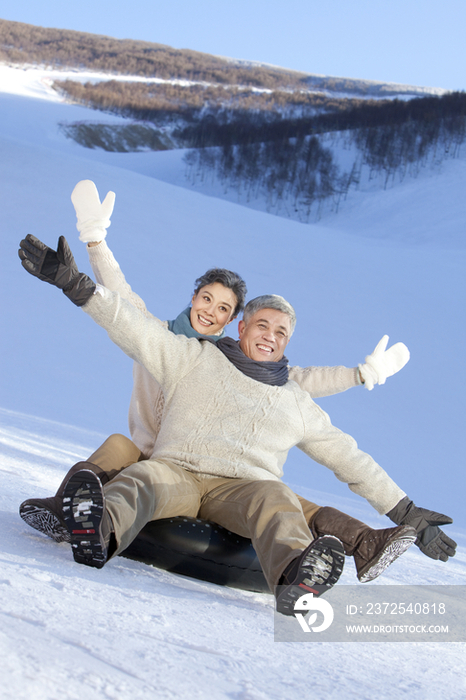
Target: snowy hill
{"points": [[389, 262], [124, 59], [132, 631]]}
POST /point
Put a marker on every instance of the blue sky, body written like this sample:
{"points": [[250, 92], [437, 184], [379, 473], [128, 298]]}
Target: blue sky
{"points": [[403, 41]]}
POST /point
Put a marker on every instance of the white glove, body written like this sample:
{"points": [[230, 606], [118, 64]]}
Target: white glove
{"points": [[93, 217], [383, 363]]}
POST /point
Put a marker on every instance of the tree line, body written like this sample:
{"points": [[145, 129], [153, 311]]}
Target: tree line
{"points": [[294, 170], [217, 116], [60, 48], [230, 105], [259, 148], [25, 43], [236, 127]]}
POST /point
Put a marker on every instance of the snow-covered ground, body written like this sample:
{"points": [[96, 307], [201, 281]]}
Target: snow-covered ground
{"points": [[36, 81], [390, 262]]}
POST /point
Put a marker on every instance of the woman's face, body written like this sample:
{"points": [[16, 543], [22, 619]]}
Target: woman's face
{"points": [[212, 308]]}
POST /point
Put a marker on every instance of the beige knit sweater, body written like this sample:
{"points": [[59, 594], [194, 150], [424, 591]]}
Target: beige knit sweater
{"points": [[147, 401], [220, 422]]}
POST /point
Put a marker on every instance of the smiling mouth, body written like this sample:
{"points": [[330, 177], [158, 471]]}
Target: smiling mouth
{"points": [[204, 321], [265, 348]]}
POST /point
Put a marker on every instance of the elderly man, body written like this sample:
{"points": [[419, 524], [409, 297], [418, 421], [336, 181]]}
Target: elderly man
{"points": [[231, 416]]}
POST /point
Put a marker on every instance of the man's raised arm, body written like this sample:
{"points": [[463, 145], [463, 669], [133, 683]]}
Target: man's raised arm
{"points": [[165, 355]]}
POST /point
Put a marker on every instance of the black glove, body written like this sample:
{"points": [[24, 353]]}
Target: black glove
{"points": [[431, 540], [56, 267]]}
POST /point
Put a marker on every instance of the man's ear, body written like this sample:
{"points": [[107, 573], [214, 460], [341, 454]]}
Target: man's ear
{"points": [[241, 325]]}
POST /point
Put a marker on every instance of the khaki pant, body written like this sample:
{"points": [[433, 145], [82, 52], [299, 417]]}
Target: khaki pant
{"points": [[115, 454], [267, 512], [119, 452]]}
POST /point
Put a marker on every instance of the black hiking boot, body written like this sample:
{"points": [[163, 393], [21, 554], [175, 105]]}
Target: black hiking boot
{"points": [[89, 524], [45, 515], [315, 570]]}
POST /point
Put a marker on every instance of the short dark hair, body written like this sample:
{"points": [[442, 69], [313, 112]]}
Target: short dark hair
{"points": [[229, 279]]}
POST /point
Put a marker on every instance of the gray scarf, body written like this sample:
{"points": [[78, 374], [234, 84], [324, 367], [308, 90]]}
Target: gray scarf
{"points": [[273, 373]]}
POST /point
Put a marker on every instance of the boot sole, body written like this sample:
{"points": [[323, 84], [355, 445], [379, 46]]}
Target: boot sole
{"points": [[329, 554], [389, 554], [83, 509], [43, 520]]}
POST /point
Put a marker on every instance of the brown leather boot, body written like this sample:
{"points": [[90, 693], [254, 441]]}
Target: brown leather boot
{"points": [[373, 550], [46, 514]]}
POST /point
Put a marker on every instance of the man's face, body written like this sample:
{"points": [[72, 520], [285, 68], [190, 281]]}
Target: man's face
{"points": [[212, 308], [266, 335]]}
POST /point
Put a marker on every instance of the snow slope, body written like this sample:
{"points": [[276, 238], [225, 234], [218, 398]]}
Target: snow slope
{"points": [[132, 631], [70, 631]]}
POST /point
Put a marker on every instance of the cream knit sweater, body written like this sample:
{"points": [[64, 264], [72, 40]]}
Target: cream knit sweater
{"points": [[219, 422], [147, 401]]}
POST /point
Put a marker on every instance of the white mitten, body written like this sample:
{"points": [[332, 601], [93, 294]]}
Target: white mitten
{"points": [[383, 363], [93, 217]]}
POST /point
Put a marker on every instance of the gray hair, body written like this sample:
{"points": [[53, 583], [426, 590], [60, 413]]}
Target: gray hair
{"points": [[270, 301], [230, 280]]}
